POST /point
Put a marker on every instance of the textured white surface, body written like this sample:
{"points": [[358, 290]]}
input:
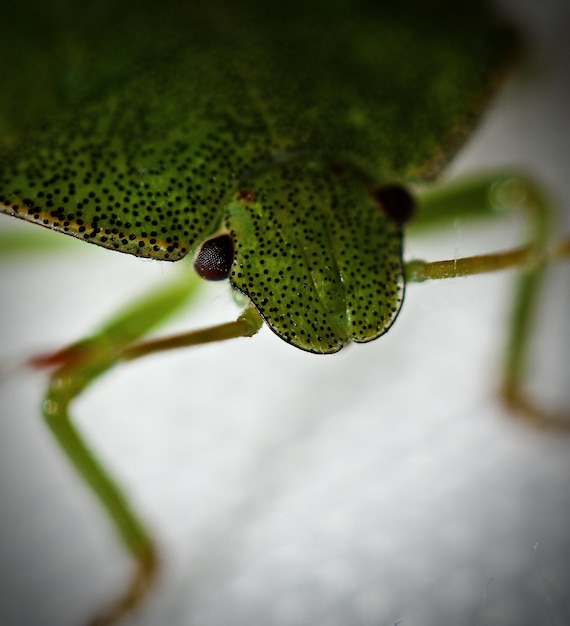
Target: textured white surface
{"points": [[384, 484]]}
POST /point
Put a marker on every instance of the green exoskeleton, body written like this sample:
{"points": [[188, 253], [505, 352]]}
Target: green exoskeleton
{"points": [[282, 147]]}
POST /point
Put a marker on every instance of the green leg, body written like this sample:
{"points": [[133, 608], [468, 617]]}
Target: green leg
{"points": [[77, 367], [477, 198]]}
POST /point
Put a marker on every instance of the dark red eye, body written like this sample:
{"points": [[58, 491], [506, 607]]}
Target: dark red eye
{"points": [[396, 202], [215, 258]]}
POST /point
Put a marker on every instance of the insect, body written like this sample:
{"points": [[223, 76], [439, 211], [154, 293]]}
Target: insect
{"points": [[312, 173]]}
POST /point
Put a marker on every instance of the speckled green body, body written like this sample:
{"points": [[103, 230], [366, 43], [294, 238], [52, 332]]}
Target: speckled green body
{"points": [[148, 127]]}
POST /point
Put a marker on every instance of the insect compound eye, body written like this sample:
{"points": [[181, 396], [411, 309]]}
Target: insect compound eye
{"points": [[396, 202], [215, 257]]}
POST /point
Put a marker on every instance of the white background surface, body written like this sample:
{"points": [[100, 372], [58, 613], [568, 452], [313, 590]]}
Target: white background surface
{"points": [[384, 484]]}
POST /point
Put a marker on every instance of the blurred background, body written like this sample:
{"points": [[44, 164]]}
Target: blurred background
{"points": [[382, 485]]}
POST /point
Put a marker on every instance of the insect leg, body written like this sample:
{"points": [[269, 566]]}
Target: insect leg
{"points": [[496, 194], [77, 367]]}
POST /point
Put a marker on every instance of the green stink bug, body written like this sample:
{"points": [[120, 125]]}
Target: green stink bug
{"points": [[236, 403]]}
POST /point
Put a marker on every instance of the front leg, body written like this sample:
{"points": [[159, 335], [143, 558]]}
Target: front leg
{"points": [[484, 196], [77, 366]]}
